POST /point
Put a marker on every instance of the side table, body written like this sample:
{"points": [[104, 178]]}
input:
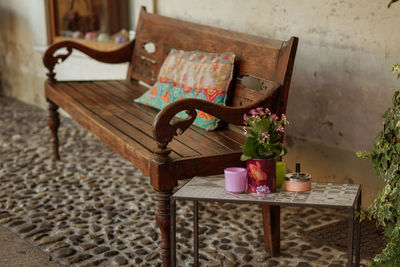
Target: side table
{"points": [[322, 195]]}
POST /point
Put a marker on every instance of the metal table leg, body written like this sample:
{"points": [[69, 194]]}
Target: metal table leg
{"points": [[350, 245], [196, 232], [173, 232], [358, 229]]}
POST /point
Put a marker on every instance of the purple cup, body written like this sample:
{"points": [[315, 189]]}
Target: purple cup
{"points": [[235, 180]]}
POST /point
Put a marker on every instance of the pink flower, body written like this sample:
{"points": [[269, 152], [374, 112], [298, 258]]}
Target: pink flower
{"points": [[265, 137], [260, 110], [253, 112], [267, 111], [280, 129], [285, 120], [274, 117], [245, 117]]}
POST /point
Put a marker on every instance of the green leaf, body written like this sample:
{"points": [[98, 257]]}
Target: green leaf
{"points": [[385, 158], [283, 151], [262, 126], [361, 154], [244, 157], [252, 133], [250, 147]]}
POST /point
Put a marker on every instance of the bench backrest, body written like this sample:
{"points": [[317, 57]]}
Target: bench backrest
{"points": [[268, 61]]}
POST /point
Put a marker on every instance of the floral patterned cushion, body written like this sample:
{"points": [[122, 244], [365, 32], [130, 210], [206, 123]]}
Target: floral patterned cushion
{"points": [[189, 74]]}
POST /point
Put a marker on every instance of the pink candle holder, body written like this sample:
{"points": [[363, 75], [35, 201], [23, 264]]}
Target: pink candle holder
{"points": [[235, 180]]}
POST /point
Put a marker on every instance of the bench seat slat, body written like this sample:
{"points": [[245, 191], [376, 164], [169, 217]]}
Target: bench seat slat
{"points": [[133, 123], [119, 142], [148, 114], [221, 139], [98, 107], [199, 140], [233, 132], [112, 104]]}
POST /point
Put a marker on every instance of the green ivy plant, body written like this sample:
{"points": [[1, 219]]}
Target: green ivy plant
{"points": [[385, 158]]}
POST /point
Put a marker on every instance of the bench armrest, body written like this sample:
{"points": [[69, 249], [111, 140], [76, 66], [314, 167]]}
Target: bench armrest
{"points": [[165, 127], [120, 55]]}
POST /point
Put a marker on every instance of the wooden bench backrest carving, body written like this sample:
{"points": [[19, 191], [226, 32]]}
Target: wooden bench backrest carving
{"points": [[258, 57]]}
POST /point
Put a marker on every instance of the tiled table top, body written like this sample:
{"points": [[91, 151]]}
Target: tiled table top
{"points": [[212, 188]]}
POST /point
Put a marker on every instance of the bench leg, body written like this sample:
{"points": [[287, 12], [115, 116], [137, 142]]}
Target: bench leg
{"points": [[54, 123], [272, 218], [163, 220]]}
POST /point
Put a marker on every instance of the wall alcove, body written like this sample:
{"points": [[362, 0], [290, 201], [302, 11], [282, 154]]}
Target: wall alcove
{"points": [[99, 24]]}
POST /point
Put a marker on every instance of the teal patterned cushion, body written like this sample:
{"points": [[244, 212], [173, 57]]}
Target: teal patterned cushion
{"points": [[188, 74]]}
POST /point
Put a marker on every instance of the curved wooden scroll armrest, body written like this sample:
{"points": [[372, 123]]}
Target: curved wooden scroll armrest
{"points": [[164, 128], [120, 55]]}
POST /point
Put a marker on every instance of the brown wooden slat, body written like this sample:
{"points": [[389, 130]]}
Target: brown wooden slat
{"points": [[216, 136], [84, 97], [247, 93], [134, 119], [244, 96], [197, 141], [167, 33], [126, 147], [237, 136], [195, 132], [204, 166], [240, 101], [99, 107], [227, 142]]}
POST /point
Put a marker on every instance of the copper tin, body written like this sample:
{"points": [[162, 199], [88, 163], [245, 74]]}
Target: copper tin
{"points": [[297, 182]]}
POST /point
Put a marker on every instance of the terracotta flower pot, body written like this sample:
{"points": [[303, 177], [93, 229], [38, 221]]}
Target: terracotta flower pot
{"points": [[261, 175]]}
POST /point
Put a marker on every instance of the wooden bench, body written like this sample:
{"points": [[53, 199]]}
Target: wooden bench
{"points": [[163, 148]]}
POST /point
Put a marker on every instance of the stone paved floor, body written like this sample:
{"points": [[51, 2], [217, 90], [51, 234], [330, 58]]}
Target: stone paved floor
{"points": [[93, 208]]}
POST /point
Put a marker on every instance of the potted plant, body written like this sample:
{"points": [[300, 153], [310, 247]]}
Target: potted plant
{"points": [[263, 145]]}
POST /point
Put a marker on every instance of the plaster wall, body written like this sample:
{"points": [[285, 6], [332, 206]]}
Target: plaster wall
{"points": [[22, 27], [342, 79], [341, 83]]}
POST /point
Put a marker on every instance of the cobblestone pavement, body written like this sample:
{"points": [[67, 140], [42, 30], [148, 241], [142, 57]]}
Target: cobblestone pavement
{"points": [[93, 208]]}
